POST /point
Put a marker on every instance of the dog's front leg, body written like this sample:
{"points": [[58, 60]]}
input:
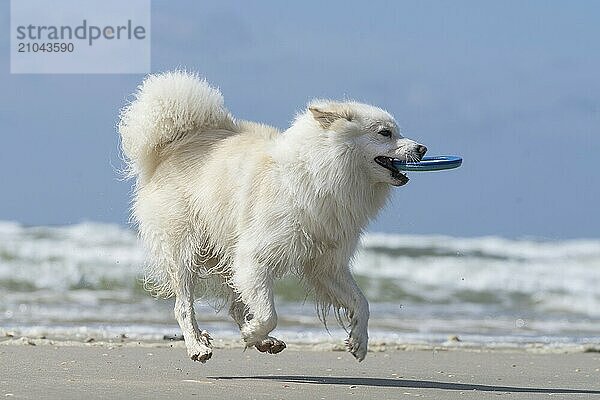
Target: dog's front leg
{"points": [[254, 284], [339, 289]]}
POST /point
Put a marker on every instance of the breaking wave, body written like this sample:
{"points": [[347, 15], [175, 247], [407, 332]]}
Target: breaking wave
{"points": [[89, 273]]}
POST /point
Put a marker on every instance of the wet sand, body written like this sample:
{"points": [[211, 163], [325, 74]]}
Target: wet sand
{"points": [[130, 371]]}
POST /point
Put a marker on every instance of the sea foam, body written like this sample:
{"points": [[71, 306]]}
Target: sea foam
{"points": [[88, 276]]}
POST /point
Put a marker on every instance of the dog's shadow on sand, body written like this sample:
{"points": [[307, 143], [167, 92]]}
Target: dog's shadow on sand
{"points": [[404, 383]]}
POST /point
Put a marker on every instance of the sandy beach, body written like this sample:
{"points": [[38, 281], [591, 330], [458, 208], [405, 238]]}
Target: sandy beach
{"points": [[68, 370]]}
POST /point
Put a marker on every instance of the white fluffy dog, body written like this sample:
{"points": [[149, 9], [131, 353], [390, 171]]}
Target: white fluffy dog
{"points": [[225, 206]]}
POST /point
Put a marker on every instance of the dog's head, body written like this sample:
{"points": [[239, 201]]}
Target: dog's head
{"points": [[373, 132]]}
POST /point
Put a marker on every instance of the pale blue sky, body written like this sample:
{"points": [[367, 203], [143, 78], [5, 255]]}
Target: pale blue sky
{"points": [[512, 86]]}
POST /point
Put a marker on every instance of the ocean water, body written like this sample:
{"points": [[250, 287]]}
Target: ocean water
{"points": [[84, 281]]}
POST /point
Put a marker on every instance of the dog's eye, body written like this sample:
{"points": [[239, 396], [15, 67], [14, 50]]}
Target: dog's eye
{"points": [[385, 132]]}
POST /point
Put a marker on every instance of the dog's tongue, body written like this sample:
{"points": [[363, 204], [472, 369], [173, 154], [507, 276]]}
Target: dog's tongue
{"points": [[402, 179]]}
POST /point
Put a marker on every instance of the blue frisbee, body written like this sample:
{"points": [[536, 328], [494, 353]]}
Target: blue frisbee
{"points": [[436, 163]]}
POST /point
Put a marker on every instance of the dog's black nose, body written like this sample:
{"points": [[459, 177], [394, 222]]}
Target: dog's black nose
{"points": [[421, 150]]}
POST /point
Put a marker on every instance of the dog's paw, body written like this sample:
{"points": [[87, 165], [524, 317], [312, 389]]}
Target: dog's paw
{"points": [[357, 346], [270, 345], [200, 350]]}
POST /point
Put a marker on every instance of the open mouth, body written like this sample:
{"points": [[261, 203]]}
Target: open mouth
{"points": [[388, 163]]}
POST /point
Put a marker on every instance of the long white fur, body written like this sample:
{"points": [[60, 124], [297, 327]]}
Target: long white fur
{"points": [[224, 207], [166, 107]]}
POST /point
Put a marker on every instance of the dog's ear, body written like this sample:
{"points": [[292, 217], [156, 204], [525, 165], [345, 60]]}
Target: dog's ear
{"points": [[326, 117]]}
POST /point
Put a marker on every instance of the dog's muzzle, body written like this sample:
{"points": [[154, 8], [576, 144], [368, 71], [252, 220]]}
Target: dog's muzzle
{"points": [[388, 163]]}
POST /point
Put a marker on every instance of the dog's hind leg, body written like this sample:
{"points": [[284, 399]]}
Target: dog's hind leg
{"points": [[254, 283], [197, 342], [239, 312]]}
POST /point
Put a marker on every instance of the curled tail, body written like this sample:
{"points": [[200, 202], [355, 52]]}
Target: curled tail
{"points": [[166, 108]]}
